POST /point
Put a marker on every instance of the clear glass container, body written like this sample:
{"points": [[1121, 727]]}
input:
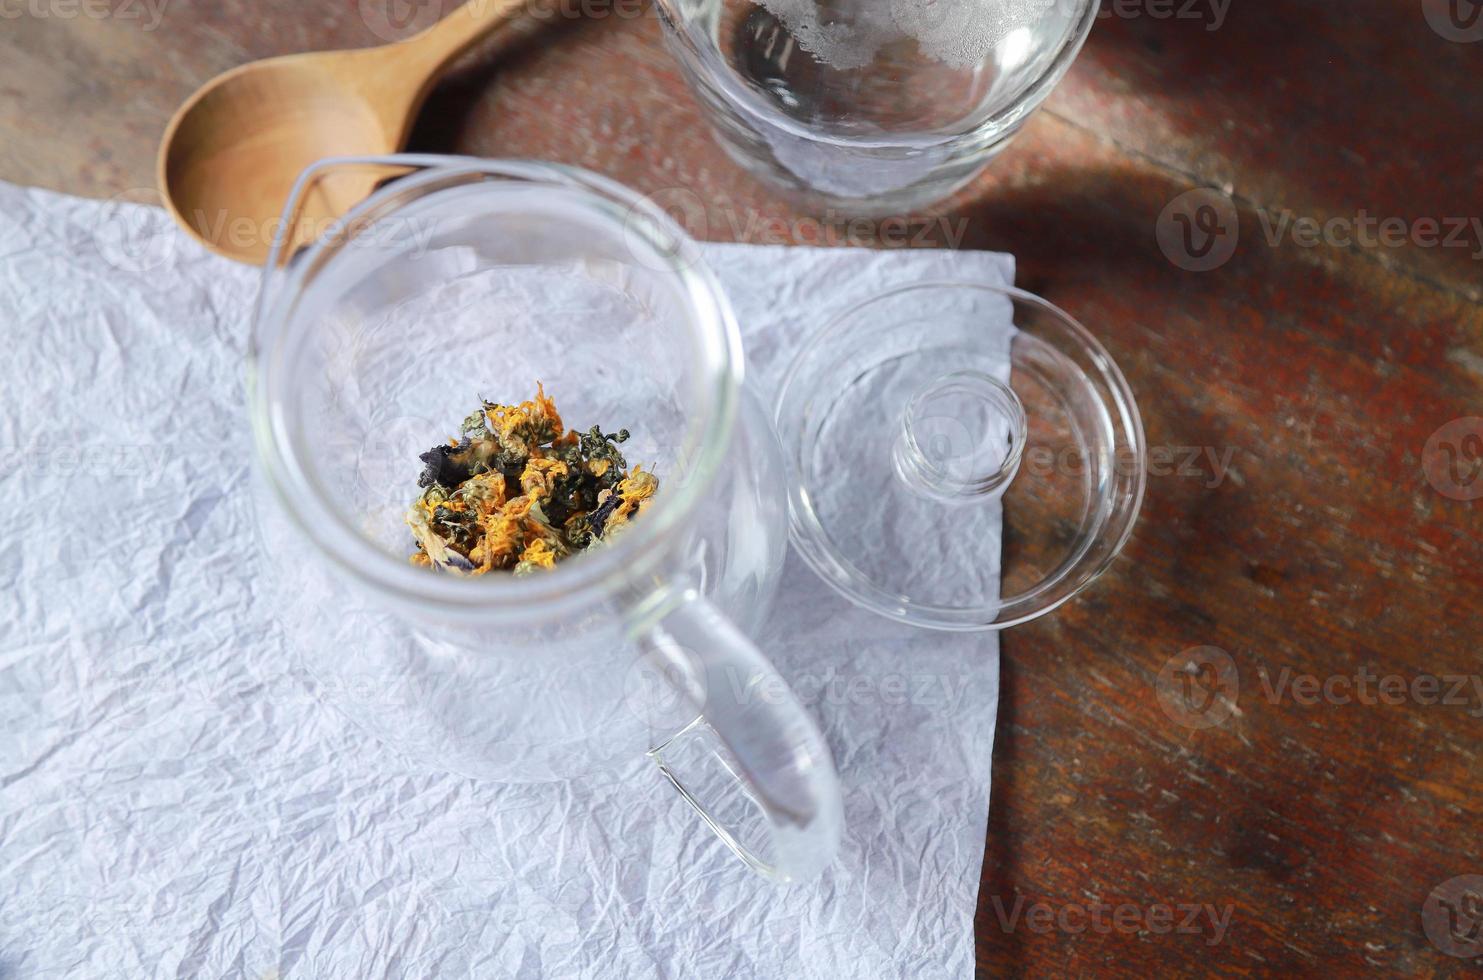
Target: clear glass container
{"points": [[871, 106], [458, 279]]}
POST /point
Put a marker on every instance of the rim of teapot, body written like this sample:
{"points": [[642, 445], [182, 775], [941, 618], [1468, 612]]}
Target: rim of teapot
{"points": [[282, 453]]}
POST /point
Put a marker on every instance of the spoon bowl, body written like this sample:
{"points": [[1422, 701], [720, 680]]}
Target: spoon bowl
{"points": [[233, 150]]}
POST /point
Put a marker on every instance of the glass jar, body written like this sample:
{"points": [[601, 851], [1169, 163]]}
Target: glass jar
{"points": [[459, 279], [871, 106]]}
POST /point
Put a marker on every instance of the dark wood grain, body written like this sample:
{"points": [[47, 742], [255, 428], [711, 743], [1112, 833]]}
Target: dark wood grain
{"points": [[1320, 372]]}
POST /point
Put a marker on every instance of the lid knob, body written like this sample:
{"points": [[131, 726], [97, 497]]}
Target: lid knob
{"points": [[961, 438]]}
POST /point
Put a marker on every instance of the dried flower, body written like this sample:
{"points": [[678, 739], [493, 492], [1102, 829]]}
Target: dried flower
{"points": [[517, 491]]}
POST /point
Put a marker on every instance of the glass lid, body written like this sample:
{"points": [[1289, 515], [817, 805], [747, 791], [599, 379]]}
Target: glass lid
{"points": [[961, 456]]}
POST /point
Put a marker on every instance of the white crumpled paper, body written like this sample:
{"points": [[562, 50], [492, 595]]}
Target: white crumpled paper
{"points": [[173, 803]]}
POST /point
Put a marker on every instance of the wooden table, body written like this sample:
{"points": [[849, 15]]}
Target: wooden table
{"points": [[1319, 370]]}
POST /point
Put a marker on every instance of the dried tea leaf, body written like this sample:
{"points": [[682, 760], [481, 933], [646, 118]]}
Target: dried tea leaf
{"points": [[520, 492]]}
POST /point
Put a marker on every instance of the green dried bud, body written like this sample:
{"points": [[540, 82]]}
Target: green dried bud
{"points": [[458, 516], [476, 426]]}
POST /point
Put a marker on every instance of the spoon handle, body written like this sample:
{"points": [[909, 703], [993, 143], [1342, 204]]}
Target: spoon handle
{"points": [[436, 47]]}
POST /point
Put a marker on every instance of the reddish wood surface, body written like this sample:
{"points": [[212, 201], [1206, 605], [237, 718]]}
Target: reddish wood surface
{"points": [[1323, 371]]}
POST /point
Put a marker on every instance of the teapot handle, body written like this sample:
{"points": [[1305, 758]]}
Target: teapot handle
{"points": [[748, 757]]}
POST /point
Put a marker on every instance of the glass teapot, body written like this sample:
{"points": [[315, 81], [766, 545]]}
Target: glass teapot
{"points": [[459, 279]]}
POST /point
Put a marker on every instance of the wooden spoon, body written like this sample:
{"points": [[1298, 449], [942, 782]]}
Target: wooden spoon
{"points": [[232, 152]]}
